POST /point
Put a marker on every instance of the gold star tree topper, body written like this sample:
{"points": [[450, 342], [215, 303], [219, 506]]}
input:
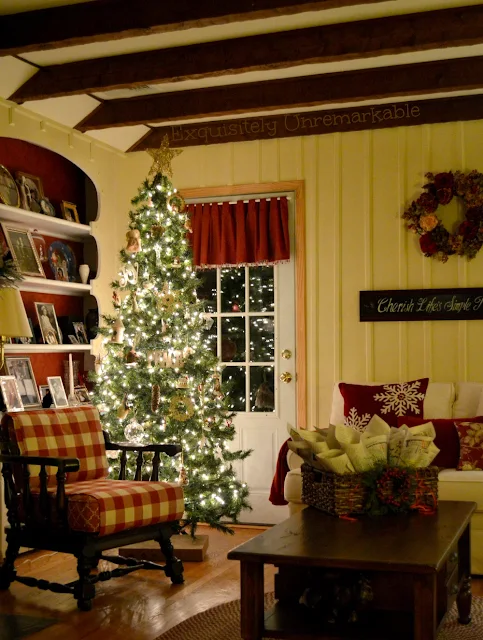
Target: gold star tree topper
{"points": [[162, 158]]}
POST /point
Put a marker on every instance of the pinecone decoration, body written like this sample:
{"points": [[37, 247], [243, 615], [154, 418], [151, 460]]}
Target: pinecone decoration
{"points": [[155, 398]]}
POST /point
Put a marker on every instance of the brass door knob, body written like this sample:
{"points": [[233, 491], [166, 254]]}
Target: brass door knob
{"points": [[286, 377], [286, 354]]}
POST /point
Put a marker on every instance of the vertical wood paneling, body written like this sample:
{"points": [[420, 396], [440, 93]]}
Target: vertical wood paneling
{"points": [[352, 259], [246, 156], [385, 248], [357, 185]]}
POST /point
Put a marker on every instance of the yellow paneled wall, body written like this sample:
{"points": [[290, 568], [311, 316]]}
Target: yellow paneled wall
{"points": [[357, 186]]}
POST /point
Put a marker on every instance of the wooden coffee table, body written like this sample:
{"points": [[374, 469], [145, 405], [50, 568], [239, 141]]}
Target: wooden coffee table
{"points": [[418, 565]]}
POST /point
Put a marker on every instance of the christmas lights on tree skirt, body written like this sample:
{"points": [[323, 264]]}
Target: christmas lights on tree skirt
{"points": [[186, 548]]}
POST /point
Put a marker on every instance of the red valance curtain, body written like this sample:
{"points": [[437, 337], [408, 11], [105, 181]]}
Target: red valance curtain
{"points": [[247, 232]]}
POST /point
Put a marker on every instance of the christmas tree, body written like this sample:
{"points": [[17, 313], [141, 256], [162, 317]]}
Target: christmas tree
{"points": [[158, 380]]}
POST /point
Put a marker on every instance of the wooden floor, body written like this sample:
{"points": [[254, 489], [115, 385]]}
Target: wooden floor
{"points": [[137, 607], [142, 605]]}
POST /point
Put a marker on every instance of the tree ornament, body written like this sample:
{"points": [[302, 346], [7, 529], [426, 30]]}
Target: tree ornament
{"points": [[116, 300], [203, 441], [235, 307], [119, 329], [157, 231], [123, 410], [176, 263], [135, 306], [98, 365], [181, 407], [176, 202], [188, 226], [133, 237], [132, 357], [134, 432], [162, 158], [183, 479], [182, 382], [128, 275], [435, 240], [155, 398], [217, 386], [167, 300]]}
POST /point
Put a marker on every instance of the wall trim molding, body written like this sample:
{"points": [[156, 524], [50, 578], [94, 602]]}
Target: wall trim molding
{"points": [[297, 187]]}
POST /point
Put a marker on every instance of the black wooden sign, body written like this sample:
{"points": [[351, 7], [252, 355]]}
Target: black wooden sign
{"points": [[421, 304]]}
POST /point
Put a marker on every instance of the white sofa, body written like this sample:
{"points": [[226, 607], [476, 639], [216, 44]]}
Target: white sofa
{"points": [[443, 400]]}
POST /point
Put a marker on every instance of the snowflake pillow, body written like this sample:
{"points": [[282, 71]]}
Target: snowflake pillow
{"points": [[471, 445], [388, 401]]}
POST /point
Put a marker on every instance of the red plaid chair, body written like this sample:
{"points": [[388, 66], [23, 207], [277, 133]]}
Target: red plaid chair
{"points": [[59, 498]]}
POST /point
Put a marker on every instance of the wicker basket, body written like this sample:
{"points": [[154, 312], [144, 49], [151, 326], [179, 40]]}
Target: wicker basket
{"points": [[346, 494]]}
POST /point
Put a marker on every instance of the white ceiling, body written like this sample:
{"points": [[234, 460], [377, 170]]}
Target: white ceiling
{"points": [[71, 110]]}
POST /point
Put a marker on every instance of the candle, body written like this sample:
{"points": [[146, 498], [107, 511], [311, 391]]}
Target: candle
{"points": [[71, 377]]}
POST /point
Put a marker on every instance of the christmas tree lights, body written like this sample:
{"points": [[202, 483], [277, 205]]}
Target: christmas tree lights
{"points": [[158, 379]]}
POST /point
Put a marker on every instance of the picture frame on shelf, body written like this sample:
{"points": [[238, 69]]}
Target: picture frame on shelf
{"points": [[43, 391], [80, 332], [69, 211], [9, 193], [24, 253], [11, 394], [40, 245], [31, 191], [25, 340], [47, 208], [57, 391], [82, 395], [49, 327], [21, 368], [74, 339]]}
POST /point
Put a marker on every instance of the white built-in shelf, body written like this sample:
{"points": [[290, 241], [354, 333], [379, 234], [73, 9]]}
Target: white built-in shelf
{"points": [[44, 285], [46, 348], [45, 224]]}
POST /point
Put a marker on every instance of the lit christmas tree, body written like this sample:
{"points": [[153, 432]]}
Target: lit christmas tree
{"points": [[158, 380]]}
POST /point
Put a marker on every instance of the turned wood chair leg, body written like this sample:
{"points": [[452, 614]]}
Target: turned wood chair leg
{"points": [[174, 566], [84, 590], [7, 570]]}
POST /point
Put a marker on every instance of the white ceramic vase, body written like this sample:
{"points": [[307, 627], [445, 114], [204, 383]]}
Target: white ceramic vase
{"points": [[84, 270]]}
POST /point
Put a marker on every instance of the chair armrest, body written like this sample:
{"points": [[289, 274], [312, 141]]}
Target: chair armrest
{"points": [[64, 464]]}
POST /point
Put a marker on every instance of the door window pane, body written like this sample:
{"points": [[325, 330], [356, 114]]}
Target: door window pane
{"points": [[211, 338], [233, 340], [233, 290], [261, 289], [262, 396], [207, 289], [262, 339], [235, 377]]}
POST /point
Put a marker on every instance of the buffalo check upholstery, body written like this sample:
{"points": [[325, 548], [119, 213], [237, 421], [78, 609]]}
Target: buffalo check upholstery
{"points": [[109, 506], [95, 504], [61, 433]]}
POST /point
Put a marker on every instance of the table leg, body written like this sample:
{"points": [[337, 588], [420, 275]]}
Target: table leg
{"points": [[425, 607], [463, 599], [252, 600]]}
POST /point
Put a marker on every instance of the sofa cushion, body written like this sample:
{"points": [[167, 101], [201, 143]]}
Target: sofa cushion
{"points": [[468, 396], [388, 401], [438, 402], [293, 486], [461, 485], [471, 445]]}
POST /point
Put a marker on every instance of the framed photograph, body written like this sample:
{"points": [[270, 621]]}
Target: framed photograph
{"points": [[31, 191], [43, 390], [57, 391], [9, 193], [69, 211], [25, 340], [82, 395], [49, 327], [47, 207], [74, 339], [80, 332], [21, 369], [23, 251], [10, 393]]}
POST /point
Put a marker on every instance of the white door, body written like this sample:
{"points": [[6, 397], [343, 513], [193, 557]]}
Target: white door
{"points": [[253, 309]]}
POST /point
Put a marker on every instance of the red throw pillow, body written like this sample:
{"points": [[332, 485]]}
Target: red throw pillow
{"points": [[471, 445], [388, 401]]}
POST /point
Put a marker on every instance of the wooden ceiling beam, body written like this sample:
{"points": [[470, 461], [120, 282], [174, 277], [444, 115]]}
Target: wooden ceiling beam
{"points": [[350, 86], [362, 39], [105, 20]]}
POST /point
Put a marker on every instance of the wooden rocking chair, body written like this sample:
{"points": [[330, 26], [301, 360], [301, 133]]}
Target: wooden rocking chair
{"points": [[78, 510]]}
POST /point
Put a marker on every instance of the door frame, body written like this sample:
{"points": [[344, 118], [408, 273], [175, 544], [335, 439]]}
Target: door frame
{"points": [[297, 187]]}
